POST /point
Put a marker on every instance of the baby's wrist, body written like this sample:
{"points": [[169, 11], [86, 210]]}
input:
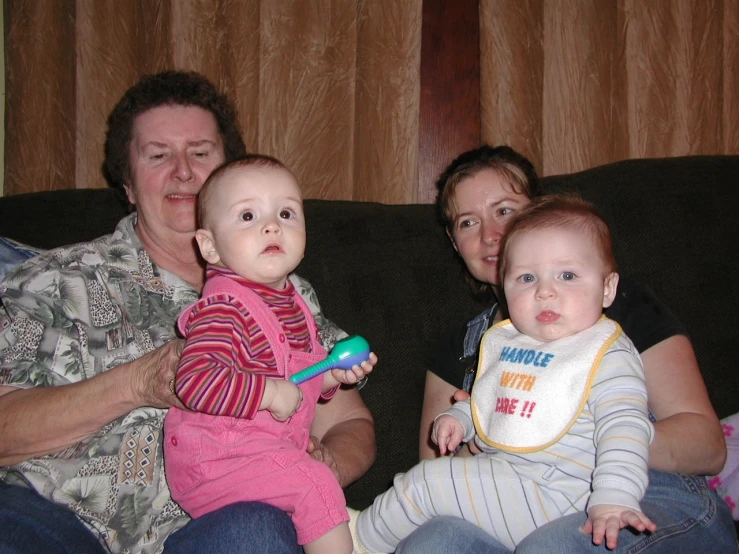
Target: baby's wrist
{"points": [[329, 382], [268, 396]]}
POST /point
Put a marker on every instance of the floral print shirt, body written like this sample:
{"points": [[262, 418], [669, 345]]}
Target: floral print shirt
{"points": [[70, 314]]}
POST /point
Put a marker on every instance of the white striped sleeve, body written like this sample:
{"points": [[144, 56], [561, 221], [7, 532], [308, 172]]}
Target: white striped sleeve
{"points": [[623, 432]]}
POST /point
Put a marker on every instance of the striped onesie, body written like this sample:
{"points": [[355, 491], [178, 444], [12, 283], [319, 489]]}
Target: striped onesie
{"points": [[554, 440], [226, 450]]}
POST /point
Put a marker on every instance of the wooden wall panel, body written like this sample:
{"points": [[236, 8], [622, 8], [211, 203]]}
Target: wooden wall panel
{"points": [[106, 54], [512, 74], [730, 70], [370, 99], [196, 31], [574, 84], [220, 38], [40, 96], [153, 38], [579, 42], [240, 74], [450, 87], [674, 75], [307, 92], [388, 102]]}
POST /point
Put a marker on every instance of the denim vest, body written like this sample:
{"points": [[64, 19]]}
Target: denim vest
{"points": [[476, 328]]}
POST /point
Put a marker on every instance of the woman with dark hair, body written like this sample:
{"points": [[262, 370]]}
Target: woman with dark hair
{"points": [[478, 194]]}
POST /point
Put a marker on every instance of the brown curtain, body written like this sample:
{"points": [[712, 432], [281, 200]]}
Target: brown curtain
{"points": [[575, 84], [332, 87]]}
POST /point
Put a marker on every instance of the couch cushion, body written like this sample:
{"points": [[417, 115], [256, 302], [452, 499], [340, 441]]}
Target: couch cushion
{"points": [[56, 218]]}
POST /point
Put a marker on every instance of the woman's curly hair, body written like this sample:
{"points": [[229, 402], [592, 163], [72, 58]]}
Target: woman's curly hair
{"points": [[178, 88]]}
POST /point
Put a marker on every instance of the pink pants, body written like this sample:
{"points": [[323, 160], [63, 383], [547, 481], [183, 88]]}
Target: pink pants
{"points": [[213, 461]]}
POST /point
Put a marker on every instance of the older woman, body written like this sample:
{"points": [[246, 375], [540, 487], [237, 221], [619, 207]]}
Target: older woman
{"points": [[88, 353], [478, 193]]}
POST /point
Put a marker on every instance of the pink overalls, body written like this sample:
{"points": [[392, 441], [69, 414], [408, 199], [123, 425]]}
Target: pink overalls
{"points": [[212, 461]]}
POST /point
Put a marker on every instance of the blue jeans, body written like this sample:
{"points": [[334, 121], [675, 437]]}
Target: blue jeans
{"points": [[689, 516], [30, 524], [447, 534], [244, 527], [11, 254]]}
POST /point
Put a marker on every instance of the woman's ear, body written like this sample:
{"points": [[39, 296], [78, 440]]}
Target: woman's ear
{"points": [[451, 238], [129, 194], [610, 285], [207, 246]]}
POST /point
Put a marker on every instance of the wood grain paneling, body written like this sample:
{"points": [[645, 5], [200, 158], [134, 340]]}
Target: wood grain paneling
{"points": [[239, 52], [40, 96], [106, 63], [574, 84], [512, 74], [307, 92], [388, 102], [371, 99], [579, 43], [730, 72], [675, 74], [153, 39], [450, 87]]}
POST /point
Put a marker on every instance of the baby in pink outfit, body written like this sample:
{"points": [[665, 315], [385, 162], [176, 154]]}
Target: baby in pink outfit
{"points": [[245, 435]]}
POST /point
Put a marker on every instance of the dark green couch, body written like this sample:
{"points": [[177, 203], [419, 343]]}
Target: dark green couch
{"points": [[390, 274]]}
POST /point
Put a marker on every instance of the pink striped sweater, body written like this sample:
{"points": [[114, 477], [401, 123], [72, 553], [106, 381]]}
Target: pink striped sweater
{"points": [[227, 359]]}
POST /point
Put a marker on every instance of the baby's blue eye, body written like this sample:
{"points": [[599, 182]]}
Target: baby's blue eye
{"points": [[568, 276], [526, 278]]}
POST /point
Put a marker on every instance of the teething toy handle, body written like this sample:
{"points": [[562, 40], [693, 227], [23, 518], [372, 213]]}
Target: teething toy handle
{"points": [[346, 353]]}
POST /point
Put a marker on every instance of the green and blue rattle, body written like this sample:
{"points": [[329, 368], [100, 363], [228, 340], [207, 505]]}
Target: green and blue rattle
{"points": [[347, 352]]}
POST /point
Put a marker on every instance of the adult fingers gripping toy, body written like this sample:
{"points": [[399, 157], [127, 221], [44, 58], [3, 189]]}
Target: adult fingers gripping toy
{"points": [[347, 352]]}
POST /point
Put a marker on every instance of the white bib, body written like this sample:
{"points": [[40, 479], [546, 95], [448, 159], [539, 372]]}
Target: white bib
{"points": [[528, 393]]}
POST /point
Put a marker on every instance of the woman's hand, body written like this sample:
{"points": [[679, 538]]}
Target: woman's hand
{"points": [[606, 520], [318, 451], [343, 436], [31, 424], [152, 376], [460, 395]]}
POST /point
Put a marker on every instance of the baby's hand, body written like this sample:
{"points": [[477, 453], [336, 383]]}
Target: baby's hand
{"points": [[350, 376], [447, 433], [606, 520], [281, 398]]}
